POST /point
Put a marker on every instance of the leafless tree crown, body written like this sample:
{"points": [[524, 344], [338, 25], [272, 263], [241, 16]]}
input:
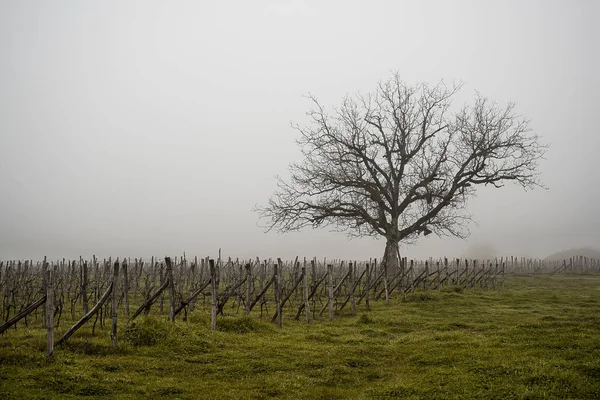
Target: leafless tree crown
{"points": [[399, 162]]}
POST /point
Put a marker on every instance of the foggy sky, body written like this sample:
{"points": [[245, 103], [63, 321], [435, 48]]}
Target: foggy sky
{"points": [[140, 128]]}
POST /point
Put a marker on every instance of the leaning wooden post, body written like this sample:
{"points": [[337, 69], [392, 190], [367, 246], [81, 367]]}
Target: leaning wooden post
{"points": [[306, 299], [277, 276], [214, 298], [50, 310], [113, 308], [330, 284]]}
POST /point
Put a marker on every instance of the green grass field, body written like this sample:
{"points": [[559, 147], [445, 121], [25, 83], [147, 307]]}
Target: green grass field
{"points": [[539, 338]]}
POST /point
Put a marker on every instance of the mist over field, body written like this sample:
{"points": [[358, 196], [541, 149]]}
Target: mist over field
{"points": [[145, 128]]}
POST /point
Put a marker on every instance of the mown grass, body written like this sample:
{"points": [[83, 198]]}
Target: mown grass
{"points": [[537, 339]]}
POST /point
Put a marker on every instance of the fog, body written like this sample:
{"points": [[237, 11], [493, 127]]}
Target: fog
{"points": [[153, 128]]}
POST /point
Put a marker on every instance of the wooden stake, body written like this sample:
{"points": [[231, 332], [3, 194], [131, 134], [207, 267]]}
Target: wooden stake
{"points": [[306, 300], [126, 287], [248, 287], [214, 295], [171, 289], [45, 283], [50, 311], [368, 286], [84, 286], [330, 284], [114, 303], [277, 276], [352, 278]]}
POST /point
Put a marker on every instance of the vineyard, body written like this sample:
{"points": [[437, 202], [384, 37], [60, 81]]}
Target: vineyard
{"points": [[114, 293]]}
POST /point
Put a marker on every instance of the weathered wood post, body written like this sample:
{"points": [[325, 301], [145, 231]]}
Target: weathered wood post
{"points": [[457, 283], [439, 280], [447, 279], [313, 282], [386, 269], [277, 281], [162, 280], [296, 269], [171, 281], [403, 276], [352, 278], [368, 285], [305, 287], [50, 310], [261, 280], [426, 277], [503, 265], [214, 295], [126, 287], [96, 278], [248, 287], [114, 303], [45, 285], [84, 286], [330, 284]]}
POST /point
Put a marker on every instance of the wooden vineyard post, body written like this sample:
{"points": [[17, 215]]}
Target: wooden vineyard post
{"points": [[96, 279], [50, 311], [126, 287], [466, 273], [114, 303], [368, 285], [305, 287], [240, 280], [296, 269], [352, 278], [426, 277], [313, 282], [277, 277], [503, 265], [214, 295], [439, 280], [162, 280], [403, 277], [330, 284], [457, 272], [45, 284], [261, 279], [447, 279], [385, 266], [171, 289], [84, 286], [248, 287]]}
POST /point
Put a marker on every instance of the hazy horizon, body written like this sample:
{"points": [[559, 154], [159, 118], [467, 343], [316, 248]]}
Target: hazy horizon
{"points": [[139, 129]]}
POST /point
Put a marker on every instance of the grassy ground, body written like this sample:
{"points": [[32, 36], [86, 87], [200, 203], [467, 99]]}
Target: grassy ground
{"points": [[537, 339]]}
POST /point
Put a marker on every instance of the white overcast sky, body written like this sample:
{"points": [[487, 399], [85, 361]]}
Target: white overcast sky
{"points": [[140, 128]]}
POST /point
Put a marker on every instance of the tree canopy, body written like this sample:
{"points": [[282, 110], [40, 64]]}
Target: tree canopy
{"points": [[400, 162]]}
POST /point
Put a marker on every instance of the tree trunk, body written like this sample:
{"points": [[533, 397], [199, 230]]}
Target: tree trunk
{"points": [[390, 257]]}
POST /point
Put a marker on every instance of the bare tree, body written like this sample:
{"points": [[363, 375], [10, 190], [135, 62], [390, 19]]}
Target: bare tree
{"points": [[399, 162]]}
